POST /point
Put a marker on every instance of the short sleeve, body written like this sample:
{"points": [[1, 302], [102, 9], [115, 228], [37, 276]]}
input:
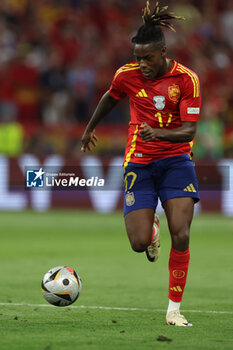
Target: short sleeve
{"points": [[116, 89], [190, 103]]}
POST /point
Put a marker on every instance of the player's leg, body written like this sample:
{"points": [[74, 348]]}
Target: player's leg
{"points": [[179, 213], [178, 190], [142, 227], [140, 201], [139, 225]]}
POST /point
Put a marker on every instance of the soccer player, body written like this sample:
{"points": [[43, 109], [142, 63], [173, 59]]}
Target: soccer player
{"points": [[164, 106]]}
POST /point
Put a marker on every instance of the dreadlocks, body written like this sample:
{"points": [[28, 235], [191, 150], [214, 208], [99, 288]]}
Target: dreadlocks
{"points": [[151, 31]]}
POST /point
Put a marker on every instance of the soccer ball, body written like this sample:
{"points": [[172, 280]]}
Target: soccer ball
{"points": [[61, 286]]}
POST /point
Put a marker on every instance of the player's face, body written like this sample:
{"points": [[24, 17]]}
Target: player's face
{"points": [[151, 59]]}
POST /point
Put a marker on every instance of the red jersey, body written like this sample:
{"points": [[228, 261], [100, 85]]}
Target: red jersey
{"points": [[164, 102]]}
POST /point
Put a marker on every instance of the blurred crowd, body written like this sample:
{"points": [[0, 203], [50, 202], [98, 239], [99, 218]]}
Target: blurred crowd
{"points": [[57, 58]]}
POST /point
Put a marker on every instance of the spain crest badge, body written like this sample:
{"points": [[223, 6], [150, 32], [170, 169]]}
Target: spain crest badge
{"points": [[129, 198], [174, 93]]}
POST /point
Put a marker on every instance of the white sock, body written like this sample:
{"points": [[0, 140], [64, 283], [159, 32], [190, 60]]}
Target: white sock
{"points": [[173, 306]]}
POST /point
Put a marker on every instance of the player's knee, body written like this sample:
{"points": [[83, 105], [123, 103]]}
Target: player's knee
{"points": [[183, 238], [180, 240], [139, 236], [139, 244]]}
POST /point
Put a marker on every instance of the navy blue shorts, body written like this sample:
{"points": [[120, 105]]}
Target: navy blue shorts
{"points": [[165, 178]]}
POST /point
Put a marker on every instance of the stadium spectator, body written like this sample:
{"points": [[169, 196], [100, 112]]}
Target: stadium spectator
{"points": [[11, 132]]}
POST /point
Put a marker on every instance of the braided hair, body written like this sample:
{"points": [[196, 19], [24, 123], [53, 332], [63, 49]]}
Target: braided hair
{"points": [[150, 31]]}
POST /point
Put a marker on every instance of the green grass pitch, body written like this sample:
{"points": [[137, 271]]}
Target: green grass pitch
{"points": [[114, 277]]}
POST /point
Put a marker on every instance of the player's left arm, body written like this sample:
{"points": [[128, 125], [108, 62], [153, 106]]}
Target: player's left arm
{"points": [[184, 133], [190, 104]]}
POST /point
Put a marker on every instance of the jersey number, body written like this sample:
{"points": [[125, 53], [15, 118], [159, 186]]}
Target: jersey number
{"points": [[133, 179], [160, 119]]}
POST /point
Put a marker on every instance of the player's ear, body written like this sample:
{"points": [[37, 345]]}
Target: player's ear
{"points": [[164, 51]]}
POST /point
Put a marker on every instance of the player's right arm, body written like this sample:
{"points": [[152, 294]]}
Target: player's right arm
{"points": [[106, 104]]}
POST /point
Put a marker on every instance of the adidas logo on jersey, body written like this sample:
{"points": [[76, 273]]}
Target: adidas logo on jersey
{"points": [[190, 188], [142, 93]]}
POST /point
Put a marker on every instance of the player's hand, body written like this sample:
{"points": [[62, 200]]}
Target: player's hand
{"points": [[147, 133], [89, 138]]}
